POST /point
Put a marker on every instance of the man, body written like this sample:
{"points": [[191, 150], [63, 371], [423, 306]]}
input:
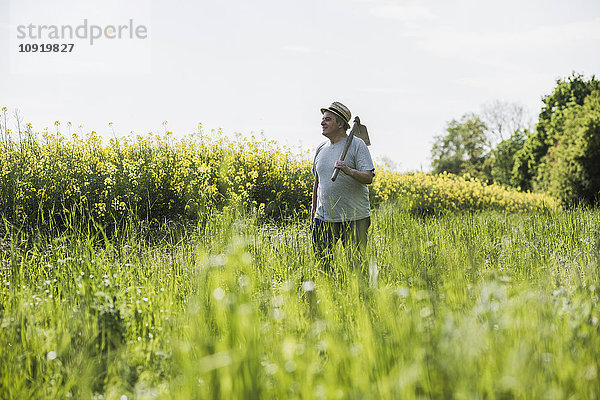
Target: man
{"points": [[340, 209]]}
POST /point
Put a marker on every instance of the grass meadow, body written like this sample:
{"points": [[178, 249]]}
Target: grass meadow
{"points": [[150, 268], [488, 304]]}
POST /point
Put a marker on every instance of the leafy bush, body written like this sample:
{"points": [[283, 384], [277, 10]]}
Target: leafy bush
{"points": [[153, 177], [575, 160], [428, 193], [532, 166], [502, 158], [156, 178], [463, 149]]}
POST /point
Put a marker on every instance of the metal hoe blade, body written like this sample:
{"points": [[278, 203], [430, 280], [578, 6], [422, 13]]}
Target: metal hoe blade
{"points": [[360, 131]]}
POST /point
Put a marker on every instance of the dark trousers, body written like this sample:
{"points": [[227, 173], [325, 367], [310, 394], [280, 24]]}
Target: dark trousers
{"points": [[353, 235]]}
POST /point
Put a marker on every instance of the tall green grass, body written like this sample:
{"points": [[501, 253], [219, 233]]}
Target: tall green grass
{"points": [[484, 305]]}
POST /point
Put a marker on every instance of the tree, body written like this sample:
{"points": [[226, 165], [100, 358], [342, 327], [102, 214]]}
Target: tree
{"points": [[531, 169], [574, 161], [502, 158], [463, 149], [504, 118], [507, 126]]}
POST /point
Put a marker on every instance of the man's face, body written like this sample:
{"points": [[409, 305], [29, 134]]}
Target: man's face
{"points": [[329, 124]]}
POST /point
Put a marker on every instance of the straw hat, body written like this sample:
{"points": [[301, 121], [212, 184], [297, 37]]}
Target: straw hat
{"points": [[340, 110]]}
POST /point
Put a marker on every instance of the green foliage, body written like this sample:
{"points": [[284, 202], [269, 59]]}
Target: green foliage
{"points": [[574, 161], [502, 158], [486, 305], [484, 145], [60, 181], [463, 149], [152, 177], [422, 193], [531, 168]]}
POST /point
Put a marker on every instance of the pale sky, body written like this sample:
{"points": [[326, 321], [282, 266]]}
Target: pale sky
{"points": [[405, 67]]}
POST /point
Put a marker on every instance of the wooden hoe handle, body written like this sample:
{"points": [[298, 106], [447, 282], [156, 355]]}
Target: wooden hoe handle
{"points": [[336, 171]]}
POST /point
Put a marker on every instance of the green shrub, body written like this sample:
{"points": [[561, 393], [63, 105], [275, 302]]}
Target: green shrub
{"points": [[56, 180], [574, 162], [430, 193]]}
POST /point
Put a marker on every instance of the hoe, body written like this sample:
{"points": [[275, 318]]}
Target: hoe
{"points": [[358, 130]]}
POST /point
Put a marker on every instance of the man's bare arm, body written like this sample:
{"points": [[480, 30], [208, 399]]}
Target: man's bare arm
{"points": [[364, 177]]}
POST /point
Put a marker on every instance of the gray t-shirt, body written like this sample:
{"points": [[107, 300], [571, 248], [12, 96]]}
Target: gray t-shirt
{"points": [[346, 199]]}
